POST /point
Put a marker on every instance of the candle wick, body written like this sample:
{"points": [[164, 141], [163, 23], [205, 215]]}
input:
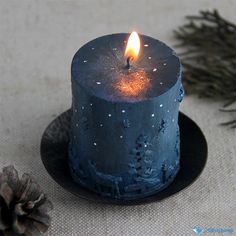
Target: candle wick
{"points": [[128, 62]]}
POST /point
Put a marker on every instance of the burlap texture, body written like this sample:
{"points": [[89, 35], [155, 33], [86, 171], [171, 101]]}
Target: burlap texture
{"points": [[37, 42]]}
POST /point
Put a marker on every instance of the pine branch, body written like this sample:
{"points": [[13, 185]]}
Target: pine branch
{"points": [[209, 57]]}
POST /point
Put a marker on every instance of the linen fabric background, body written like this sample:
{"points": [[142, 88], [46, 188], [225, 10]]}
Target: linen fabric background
{"points": [[37, 42]]}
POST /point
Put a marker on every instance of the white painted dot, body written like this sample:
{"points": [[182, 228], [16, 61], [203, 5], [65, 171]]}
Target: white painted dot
{"points": [[153, 115], [76, 110], [85, 61], [114, 49], [164, 64], [77, 124], [95, 144], [161, 83], [109, 115], [173, 120], [92, 48], [175, 100], [168, 111], [91, 104], [121, 136], [155, 69], [161, 105], [82, 107], [101, 125], [149, 58], [146, 45], [145, 145], [98, 82], [153, 126], [123, 111]]}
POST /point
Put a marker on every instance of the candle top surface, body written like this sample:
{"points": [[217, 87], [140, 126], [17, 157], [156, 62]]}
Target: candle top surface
{"points": [[100, 68]]}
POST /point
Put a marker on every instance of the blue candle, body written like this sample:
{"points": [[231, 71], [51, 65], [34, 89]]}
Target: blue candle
{"points": [[124, 132]]}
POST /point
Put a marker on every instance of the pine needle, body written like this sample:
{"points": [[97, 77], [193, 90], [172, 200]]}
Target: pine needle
{"points": [[209, 57]]}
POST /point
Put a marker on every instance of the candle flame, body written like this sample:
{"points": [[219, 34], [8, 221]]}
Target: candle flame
{"points": [[133, 46]]}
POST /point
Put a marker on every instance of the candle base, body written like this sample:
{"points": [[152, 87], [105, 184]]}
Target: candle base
{"points": [[193, 156], [131, 192]]}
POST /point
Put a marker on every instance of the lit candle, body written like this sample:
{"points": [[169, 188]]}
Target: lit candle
{"points": [[127, 141]]}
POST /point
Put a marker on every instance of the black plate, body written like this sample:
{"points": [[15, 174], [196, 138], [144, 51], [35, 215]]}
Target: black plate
{"points": [[54, 153]]}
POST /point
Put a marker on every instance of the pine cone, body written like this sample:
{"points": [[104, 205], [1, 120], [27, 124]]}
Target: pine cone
{"points": [[23, 206]]}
